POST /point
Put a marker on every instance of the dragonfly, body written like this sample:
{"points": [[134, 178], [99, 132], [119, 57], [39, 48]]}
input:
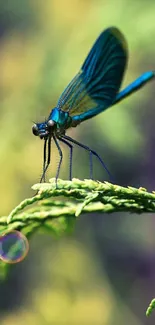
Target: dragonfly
{"points": [[93, 89]]}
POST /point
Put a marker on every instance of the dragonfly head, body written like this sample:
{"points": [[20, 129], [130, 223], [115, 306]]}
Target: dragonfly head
{"points": [[43, 130]]}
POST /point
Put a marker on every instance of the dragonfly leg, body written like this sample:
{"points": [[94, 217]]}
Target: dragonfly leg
{"points": [[60, 161], [45, 165], [44, 160], [91, 164], [92, 152], [70, 156]]}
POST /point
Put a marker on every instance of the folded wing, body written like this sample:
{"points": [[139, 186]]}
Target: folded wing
{"points": [[96, 85]]}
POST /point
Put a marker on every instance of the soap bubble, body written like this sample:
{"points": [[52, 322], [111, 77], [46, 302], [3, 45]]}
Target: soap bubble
{"points": [[14, 247]]}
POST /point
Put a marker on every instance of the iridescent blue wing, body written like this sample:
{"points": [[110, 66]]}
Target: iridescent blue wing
{"points": [[96, 85]]}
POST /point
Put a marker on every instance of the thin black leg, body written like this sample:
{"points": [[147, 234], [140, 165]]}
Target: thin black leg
{"points": [[61, 157], [92, 152], [91, 164], [48, 159], [44, 160], [70, 157]]}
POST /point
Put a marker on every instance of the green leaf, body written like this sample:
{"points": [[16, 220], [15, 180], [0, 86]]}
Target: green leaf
{"points": [[44, 212]]}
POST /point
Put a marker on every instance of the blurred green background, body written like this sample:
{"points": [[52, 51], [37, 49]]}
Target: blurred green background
{"points": [[105, 272]]}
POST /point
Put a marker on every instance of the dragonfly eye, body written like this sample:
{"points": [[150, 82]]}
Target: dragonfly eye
{"points": [[50, 124], [35, 130]]}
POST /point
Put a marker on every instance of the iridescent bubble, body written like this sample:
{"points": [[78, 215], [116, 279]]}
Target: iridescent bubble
{"points": [[14, 247]]}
